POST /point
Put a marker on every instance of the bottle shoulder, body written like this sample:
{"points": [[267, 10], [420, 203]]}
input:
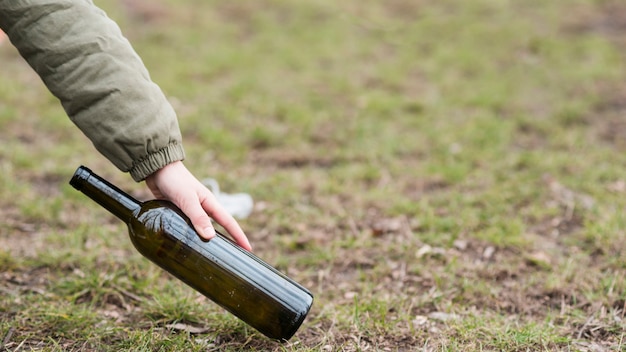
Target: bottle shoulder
{"points": [[158, 218]]}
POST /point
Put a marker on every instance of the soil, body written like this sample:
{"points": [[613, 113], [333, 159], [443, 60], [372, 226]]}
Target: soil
{"points": [[482, 261]]}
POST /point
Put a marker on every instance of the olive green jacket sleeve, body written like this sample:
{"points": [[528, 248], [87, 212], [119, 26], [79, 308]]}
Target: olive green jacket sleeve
{"points": [[82, 57]]}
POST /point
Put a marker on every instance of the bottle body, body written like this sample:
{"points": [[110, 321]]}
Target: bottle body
{"points": [[230, 276]]}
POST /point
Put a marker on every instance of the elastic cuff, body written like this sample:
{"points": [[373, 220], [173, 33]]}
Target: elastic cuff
{"points": [[156, 161]]}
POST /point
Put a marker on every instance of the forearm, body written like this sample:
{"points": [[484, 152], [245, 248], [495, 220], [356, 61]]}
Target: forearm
{"points": [[84, 60]]}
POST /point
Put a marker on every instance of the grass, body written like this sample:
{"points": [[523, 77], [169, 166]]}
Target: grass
{"points": [[443, 176]]}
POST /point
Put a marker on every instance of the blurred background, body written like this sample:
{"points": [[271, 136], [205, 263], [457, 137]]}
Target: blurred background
{"points": [[442, 175]]}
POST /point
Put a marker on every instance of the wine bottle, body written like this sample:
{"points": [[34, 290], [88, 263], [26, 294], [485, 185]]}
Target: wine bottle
{"points": [[232, 277]]}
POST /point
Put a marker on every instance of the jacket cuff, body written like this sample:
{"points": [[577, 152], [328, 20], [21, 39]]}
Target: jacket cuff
{"points": [[156, 161]]}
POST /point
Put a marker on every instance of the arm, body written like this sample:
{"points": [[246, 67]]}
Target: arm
{"points": [[82, 57]]}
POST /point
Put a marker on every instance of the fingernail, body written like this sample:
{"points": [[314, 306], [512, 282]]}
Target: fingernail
{"points": [[209, 232]]}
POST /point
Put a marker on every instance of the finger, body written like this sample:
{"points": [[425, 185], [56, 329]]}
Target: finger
{"points": [[200, 220], [222, 217]]}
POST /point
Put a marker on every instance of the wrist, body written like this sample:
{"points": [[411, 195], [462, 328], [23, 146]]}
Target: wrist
{"points": [[156, 161]]}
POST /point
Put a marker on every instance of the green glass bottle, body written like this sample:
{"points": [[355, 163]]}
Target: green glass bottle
{"points": [[227, 274]]}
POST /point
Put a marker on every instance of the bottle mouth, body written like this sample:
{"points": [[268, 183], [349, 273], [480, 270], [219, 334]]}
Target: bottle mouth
{"points": [[80, 176]]}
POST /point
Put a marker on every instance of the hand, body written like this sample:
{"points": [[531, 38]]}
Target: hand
{"points": [[176, 184]]}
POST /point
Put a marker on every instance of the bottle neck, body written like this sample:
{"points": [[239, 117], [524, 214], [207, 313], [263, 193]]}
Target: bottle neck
{"points": [[104, 193]]}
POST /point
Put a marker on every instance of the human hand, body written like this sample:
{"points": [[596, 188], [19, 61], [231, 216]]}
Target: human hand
{"points": [[176, 184]]}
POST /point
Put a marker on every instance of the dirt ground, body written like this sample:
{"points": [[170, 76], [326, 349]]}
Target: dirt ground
{"points": [[481, 260]]}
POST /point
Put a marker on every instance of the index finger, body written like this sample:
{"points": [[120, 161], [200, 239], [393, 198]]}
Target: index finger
{"points": [[222, 217]]}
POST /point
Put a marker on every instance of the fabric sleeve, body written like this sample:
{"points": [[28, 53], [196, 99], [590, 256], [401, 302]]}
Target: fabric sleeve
{"points": [[104, 87]]}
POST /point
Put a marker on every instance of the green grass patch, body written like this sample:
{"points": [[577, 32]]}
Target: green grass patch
{"points": [[443, 176]]}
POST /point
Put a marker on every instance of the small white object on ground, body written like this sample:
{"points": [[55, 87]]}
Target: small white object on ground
{"points": [[239, 205]]}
